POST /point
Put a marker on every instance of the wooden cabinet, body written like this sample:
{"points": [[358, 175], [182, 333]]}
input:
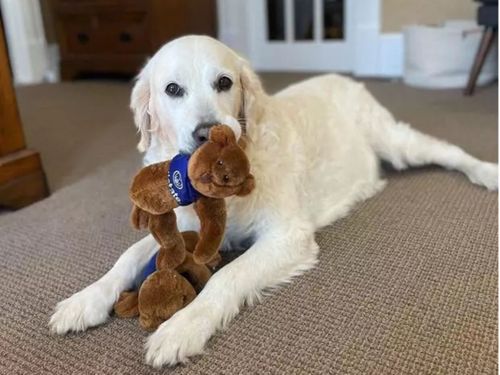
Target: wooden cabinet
{"points": [[22, 180], [117, 36]]}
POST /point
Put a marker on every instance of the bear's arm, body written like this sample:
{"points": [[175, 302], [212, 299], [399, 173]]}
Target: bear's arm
{"points": [[149, 190]]}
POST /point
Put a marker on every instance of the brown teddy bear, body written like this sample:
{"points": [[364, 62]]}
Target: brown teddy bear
{"points": [[217, 169]]}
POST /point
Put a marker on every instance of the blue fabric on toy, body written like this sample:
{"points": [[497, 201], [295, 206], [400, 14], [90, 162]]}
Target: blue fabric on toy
{"points": [[178, 181], [148, 269]]}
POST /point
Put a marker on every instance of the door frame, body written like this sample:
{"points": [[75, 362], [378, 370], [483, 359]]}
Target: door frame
{"points": [[313, 55], [369, 53]]}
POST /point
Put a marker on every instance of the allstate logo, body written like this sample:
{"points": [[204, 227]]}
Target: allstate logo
{"points": [[177, 180]]}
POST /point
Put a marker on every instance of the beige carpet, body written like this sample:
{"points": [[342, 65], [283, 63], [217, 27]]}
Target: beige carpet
{"points": [[407, 284]]}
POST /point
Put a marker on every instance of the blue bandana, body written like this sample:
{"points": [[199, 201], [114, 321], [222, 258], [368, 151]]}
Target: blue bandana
{"points": [[148, 269], [178, 181]]}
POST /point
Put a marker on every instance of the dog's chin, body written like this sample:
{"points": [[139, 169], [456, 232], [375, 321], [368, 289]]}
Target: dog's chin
{"points": [[189, 148], [187, 151]]}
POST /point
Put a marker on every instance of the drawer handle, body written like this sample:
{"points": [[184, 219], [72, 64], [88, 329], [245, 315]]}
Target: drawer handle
{"points": [[83, 38], [125, 37]]}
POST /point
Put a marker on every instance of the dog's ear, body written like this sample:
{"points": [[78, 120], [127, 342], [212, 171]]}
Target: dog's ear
{"points": [[139, 103], [252, 94]]}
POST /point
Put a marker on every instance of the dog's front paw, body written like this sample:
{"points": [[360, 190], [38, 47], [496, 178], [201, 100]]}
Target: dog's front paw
{"points": [[485, 174], [182, 336], [82, 310]]}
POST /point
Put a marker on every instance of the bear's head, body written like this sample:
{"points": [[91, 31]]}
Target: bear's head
{"points": [[219, 168]]}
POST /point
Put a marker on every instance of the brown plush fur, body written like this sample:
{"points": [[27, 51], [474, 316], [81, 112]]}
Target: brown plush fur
{"points": [[165, 291], [218, 169]]}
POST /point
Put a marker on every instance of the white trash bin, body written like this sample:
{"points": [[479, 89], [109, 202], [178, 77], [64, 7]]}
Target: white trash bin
{"points": [[442, 57]]}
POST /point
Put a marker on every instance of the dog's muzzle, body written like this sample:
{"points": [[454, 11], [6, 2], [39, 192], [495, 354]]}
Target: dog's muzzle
{"points": [[201, 132]]}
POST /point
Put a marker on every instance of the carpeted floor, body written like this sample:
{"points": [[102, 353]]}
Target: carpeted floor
{"points": [[407, 284]]}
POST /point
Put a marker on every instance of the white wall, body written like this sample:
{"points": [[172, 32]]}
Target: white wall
{"points": [[378, 46], [233, 25], [398, 13]]}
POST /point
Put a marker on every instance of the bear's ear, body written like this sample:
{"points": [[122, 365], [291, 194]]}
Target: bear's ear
{"points": [[247, 186], [222, 134]]}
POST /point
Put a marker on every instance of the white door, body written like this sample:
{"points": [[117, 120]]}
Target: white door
{"points": [[301, 35]]}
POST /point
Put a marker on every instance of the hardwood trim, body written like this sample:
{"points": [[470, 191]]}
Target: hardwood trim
{"points": [[22, 180], [23, 190], [18, 164], [11, 134]]}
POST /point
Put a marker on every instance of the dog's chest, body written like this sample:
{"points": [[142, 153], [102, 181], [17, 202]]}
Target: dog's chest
{"points": [[241, 223]]}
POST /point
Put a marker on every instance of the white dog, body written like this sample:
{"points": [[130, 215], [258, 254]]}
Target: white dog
{"points": [[314, 149]]}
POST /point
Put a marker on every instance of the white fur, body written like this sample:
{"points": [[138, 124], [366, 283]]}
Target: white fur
{"points": [[314, 149]]}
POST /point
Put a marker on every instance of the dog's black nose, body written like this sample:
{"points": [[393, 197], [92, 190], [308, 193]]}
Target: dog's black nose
{"points": [[201, 132]]}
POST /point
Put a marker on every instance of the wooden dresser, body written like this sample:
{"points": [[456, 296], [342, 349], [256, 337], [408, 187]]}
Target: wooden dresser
{"points": [[117, 36], [22, 180]]}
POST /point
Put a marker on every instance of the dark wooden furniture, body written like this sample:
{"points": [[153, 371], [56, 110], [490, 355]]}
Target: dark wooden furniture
{"points": [[487, 16], [117, 36], [22, 180]]}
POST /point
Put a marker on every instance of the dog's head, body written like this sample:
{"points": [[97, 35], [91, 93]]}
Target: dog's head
{"points": [[189, 85]]}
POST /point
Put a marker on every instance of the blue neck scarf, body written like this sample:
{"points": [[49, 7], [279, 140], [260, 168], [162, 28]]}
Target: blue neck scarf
{"points": [[178, 181], [148, 269]]}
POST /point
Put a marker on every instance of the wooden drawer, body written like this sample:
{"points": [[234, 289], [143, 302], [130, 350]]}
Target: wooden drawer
{"points": [[105, 33], [116, 36], [91, 6]]}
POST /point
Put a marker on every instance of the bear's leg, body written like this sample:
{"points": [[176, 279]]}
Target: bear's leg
{"points": [[161, 295], [127, 305], [164, 229], [196, 274]]}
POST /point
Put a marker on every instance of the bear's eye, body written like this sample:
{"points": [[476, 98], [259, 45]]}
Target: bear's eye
{"points": [[174, 90], [224, 84]]}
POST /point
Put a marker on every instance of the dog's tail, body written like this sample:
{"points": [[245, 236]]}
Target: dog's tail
{"points": [[402, 146]]}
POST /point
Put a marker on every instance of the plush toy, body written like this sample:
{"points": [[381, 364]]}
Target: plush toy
{"points": [[217, 169], [162, 292]]}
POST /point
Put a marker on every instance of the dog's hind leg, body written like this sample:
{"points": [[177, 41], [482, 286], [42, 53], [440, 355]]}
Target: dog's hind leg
{"points": [[402, 146]]}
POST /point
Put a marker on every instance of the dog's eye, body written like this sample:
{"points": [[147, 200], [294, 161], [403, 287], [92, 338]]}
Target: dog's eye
{"points": [[174, 90], [224, 84]]}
